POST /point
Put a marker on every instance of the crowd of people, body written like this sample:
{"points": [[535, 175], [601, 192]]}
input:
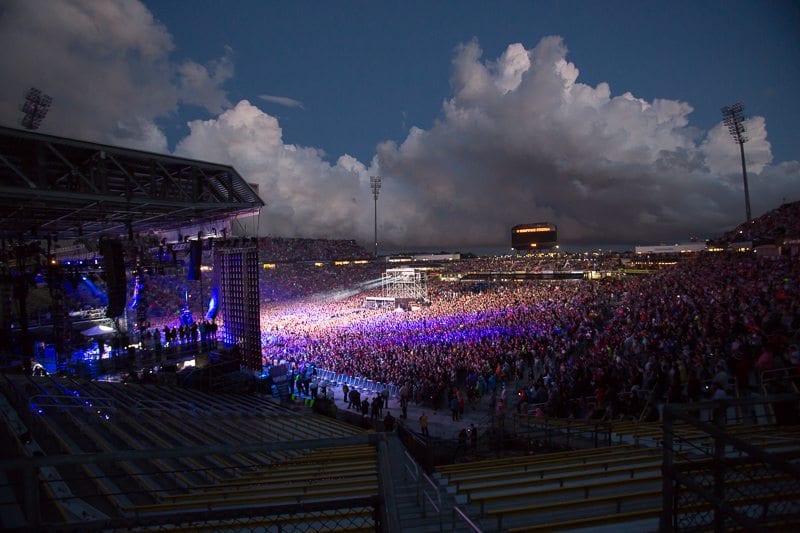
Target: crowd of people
{"points": [[291, 281], [571, 348], [667, 333], [542, 262], [776, 224], [586, 348], [289, 250]]}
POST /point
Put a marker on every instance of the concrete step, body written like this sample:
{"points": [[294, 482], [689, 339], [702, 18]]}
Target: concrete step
{"points": [[413, 517]]}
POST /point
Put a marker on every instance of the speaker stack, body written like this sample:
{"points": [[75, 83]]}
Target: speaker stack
{"points": [[116, 281], [195, 260]]}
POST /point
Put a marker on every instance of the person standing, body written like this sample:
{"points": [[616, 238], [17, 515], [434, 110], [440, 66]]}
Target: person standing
{"points": [[423, 424], [388, 422], [385, 397], [375, 408], [364, 408]]}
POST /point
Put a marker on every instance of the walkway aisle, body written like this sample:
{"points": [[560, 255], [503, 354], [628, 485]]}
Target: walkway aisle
{"points": [[412, 518]]}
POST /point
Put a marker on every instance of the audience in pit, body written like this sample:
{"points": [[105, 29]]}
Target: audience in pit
{"points": [[586, 348], [711, 316]]}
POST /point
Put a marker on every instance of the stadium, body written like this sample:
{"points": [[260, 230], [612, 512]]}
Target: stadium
{"points": [[163, 372]]}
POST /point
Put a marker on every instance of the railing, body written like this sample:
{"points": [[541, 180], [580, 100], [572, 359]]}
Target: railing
{"points": [[431, 488], [460, 516], [428, 493], [723, 476], [357, 382], [599, 432]]}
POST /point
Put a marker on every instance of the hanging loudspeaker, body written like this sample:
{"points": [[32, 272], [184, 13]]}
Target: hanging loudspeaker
{"points": [[114, 260], [195, 260]]}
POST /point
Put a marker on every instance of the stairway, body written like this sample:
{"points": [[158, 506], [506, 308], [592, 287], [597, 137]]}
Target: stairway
{"points": [[413, 495]]}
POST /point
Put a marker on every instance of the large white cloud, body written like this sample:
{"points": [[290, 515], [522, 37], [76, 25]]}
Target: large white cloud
{"points": [[305, 195], [107, 66], [522, 140]]}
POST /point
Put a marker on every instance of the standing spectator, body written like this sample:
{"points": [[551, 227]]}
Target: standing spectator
{"points": [[376, 407], [766, 361], [385, 397], [388, 421], [719, 413], [721, 377], [364, 408]]}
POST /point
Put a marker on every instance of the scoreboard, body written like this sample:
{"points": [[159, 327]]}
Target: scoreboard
{"points": [[531, 237]]}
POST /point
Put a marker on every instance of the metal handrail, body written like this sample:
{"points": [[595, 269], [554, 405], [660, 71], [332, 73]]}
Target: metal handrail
{"points": [[459, 514], [436, 508]]}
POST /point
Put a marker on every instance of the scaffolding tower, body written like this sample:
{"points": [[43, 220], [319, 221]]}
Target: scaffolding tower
{"points": [[405, 284]]}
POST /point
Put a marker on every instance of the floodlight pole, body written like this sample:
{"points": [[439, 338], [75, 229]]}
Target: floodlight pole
{"points": [[733, 117], [35, 108], [375, 184], [746, 190]]}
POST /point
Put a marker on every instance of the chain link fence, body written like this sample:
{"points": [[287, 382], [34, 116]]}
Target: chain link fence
{"points": [[723, 474]]}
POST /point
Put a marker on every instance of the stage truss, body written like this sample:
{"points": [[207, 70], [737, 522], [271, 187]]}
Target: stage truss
{"points": [[405, 284], [59, 188]]}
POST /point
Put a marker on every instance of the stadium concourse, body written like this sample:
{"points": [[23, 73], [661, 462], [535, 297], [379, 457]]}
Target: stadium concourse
{"points": [[682, 383]]}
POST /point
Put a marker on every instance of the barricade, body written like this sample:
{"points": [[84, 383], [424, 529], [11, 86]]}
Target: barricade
{"points": [[358, 382]]}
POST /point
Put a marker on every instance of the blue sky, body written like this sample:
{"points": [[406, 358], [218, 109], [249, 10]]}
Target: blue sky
{"points": [[602, 117], [367, 71]]}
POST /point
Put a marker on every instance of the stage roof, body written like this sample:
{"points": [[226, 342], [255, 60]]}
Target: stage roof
{"points": [[69, 189]]}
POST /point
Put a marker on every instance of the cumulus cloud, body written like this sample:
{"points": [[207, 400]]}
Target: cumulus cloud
{"points": [[522, 140], [202, 85], [282, 100], [305, 195], [722, 152], [107, 66], [519, 139]]}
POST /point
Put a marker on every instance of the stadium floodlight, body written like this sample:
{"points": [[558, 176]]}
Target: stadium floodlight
{"points": [[733, 116], [35, 108], [375, 184]]}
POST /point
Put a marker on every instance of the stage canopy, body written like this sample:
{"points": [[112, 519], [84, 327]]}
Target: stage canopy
{"points": [[69, 189]]}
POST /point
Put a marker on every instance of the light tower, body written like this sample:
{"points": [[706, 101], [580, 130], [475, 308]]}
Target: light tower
{"points": [[733, 116], [375, 184], [35, 108]]}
